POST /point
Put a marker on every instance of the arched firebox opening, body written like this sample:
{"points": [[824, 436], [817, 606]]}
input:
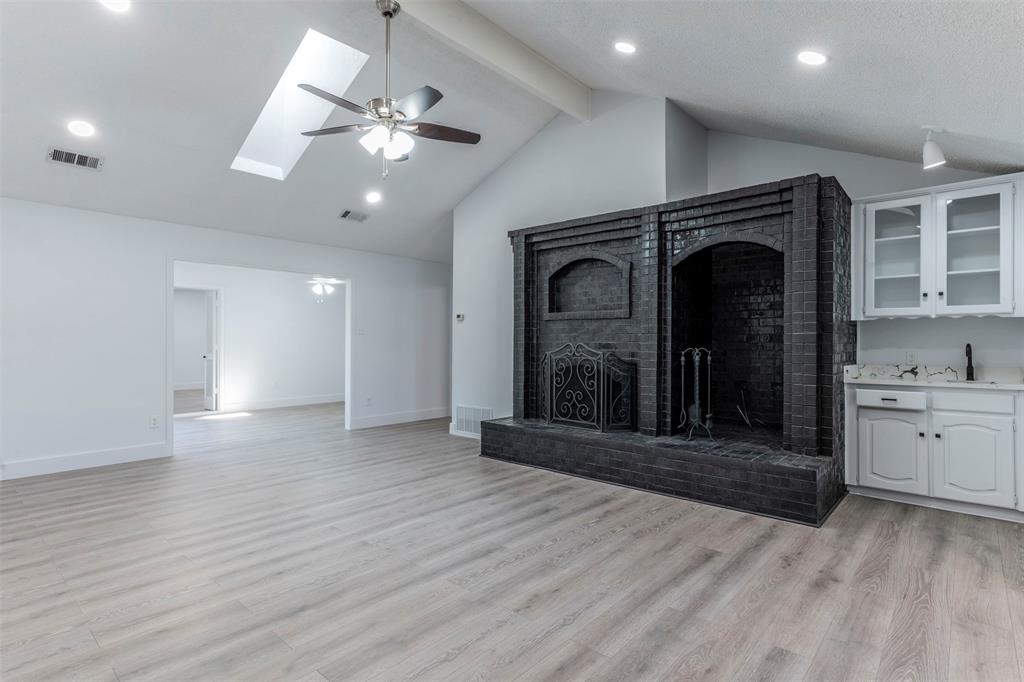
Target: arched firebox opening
{"points": [[728, 305]]}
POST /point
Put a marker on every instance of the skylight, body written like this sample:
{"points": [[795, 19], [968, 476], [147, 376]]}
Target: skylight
{"points": [[274, 144]]}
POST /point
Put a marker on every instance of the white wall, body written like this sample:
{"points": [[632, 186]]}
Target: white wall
{"points": [[740, 161], [189, 338], [686, 155], [85, 366], [996, 341], [569, 169], [279, 347]]}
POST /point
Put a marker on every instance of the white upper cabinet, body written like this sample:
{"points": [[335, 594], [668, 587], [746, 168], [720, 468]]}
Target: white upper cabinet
{"points": [[896, 257], [944, 251], [975, 256]]}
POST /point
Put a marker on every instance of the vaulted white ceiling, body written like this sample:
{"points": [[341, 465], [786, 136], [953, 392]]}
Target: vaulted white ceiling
{"points": [[894, 66], [173, 89]]}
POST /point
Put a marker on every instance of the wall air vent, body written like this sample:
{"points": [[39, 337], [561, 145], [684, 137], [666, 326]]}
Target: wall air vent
{"points": [[467, 419], [74, 159], [354, 216]]}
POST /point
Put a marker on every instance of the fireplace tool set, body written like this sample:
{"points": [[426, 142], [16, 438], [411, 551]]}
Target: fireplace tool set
{"points": [[691, 416]]}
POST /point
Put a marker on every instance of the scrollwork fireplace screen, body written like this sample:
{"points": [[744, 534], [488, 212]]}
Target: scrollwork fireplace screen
{"points": [[589, 389]]}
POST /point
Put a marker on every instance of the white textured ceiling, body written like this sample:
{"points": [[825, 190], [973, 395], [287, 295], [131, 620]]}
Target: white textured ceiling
{"points": [[174, 88], [731, 64]]}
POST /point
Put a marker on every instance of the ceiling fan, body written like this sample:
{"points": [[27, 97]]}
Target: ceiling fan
{"points": [[393, 121]]}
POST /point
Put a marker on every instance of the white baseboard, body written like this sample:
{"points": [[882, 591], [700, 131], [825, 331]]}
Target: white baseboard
{"points": [[935, 503], [82, 460], [195, 385], [462, 434], [400, 417], [294, 401]]}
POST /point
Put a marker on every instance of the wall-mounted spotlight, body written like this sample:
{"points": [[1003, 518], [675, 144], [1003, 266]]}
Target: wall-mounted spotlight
{"points": [[931, 155]]}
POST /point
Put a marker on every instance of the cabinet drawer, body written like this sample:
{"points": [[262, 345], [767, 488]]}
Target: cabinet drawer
{"points": [[972, 401], [894, 400]]}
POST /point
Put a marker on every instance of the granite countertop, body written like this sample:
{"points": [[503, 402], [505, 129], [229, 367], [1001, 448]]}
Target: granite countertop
{"points": [[986, 378]]}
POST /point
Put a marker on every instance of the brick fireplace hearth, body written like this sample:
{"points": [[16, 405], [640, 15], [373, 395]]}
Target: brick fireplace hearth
{"points": [[759, 279]]}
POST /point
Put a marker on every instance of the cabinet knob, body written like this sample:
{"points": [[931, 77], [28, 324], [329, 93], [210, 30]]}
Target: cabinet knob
{"points": [[921, 433], [942, 293], [924, 294], [938, 435]]}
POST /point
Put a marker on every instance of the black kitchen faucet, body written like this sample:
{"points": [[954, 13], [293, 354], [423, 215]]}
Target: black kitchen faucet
{"points": [[970, 363]]}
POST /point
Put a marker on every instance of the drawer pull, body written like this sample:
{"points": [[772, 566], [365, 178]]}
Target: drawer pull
{"points": [[890, 400]]}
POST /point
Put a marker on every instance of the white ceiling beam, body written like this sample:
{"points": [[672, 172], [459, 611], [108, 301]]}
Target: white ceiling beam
{"points": [[477, 36]]}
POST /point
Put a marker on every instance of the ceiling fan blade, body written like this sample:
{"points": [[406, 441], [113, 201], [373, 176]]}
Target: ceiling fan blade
{"points": [[334, 99], [337, 129], [435, 131], [415, 103]]}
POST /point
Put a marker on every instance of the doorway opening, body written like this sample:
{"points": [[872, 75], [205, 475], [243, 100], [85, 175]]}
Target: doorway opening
{"points": [[247, 340], [196, 351]]}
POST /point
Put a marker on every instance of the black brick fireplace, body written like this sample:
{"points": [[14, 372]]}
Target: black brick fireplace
{"points": [[757, 280]]}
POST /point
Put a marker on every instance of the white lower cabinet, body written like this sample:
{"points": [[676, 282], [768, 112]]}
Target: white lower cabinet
{"points": [[951, 445], [893, 448], [972, 458]]}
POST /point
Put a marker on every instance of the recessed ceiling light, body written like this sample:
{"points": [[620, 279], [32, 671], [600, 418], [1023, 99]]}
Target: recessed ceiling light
{"points": [[81, 128], [625, 48], [811, 57], [373, 197], [118, 6]]}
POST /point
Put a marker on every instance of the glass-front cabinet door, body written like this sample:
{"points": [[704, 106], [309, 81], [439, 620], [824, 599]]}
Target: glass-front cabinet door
{"points": [[897, 266], [974, 253]]}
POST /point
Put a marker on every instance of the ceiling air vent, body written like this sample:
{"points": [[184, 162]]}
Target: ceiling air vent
{"points": [[354, 216], [74, 159]]}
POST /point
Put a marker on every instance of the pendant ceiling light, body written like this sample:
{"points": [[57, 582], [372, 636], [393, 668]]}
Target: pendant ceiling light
{"points": [[931, 155]]}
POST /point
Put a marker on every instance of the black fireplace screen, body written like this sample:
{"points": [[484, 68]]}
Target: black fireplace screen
{"points": [[589, 389]]}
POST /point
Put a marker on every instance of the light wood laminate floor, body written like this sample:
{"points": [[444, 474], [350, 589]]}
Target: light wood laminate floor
{"points": [[278, 546], [188, 400]]}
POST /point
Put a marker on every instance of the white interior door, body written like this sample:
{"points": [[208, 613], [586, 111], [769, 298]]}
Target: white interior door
{"points": [[211, 391]]}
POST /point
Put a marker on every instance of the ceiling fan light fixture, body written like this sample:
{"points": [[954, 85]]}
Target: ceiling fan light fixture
{"points": [[392, 128], [400, 144], [375, 139]]}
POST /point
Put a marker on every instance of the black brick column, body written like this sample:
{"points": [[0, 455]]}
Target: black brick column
{"points": [[520, 294]]}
